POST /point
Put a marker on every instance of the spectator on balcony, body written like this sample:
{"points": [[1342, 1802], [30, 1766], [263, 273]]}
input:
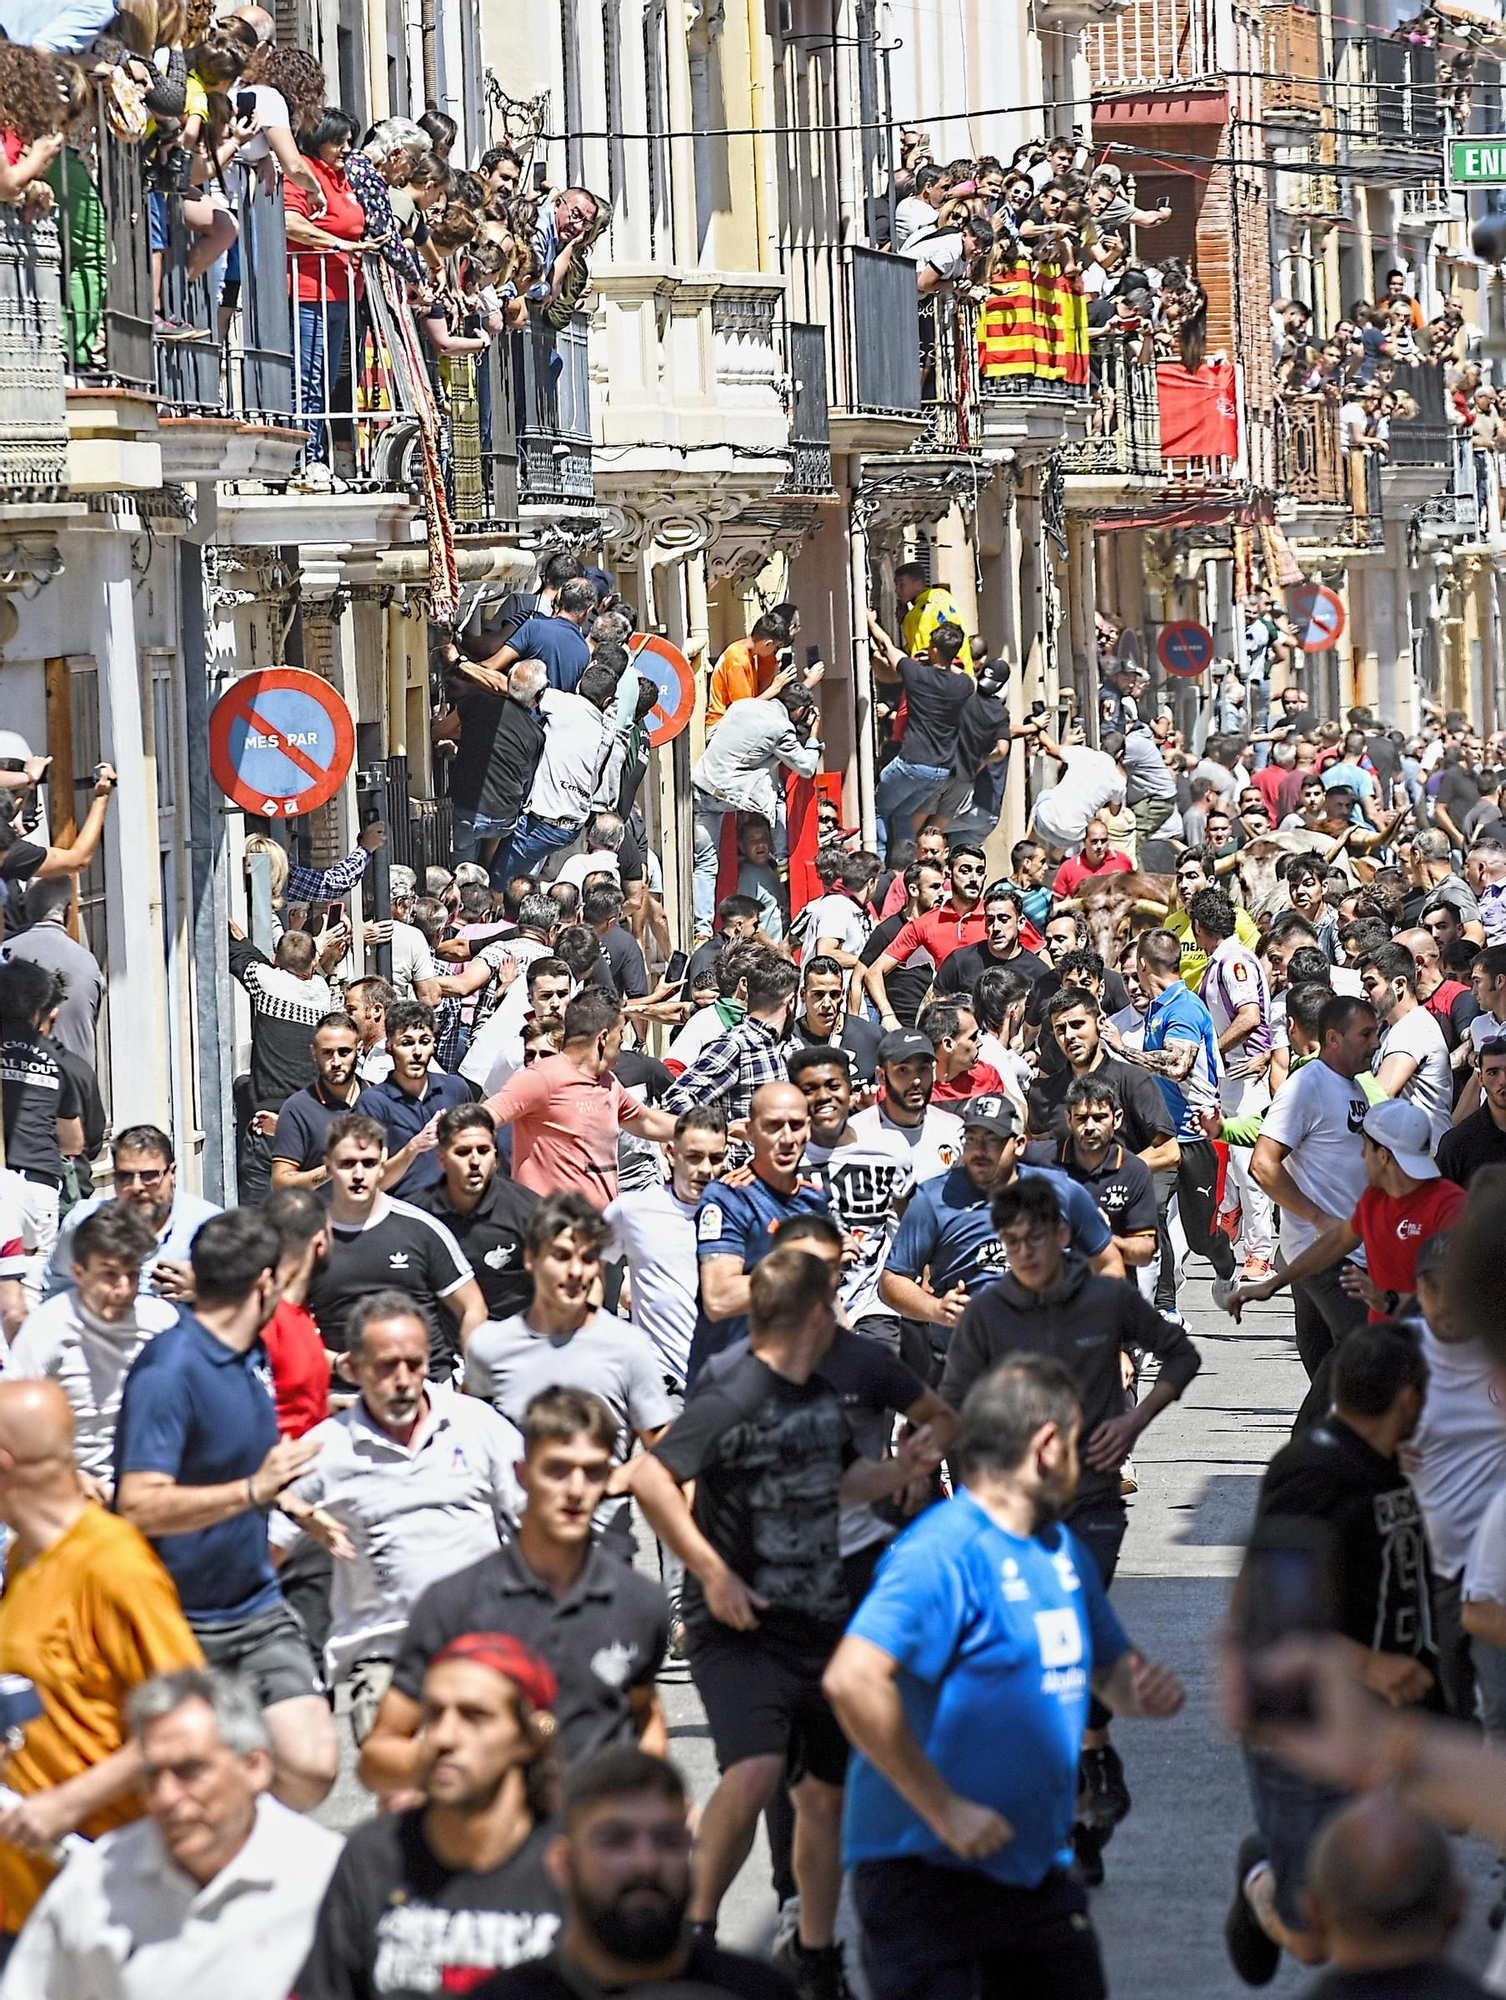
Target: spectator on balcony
{"points": [[328, 282], [925, 605], [950, 257], [1109, 207], [562, 222], [288, 88], [385, 158], [423, 194], [502, 170], [918, 212], [751, 666], [1019, 194], [1403, 336], [1045, 231], [1290, 320], [1055, 163], [1397, 294], [1107, 273], [1487, 433]]}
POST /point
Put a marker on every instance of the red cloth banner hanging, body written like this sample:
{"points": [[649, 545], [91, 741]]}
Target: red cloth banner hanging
{"points": [[1199, 412]]}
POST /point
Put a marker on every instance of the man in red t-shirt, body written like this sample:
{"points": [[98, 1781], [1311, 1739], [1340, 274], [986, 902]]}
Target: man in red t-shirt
{"points": [[1407, 1201], [1096, 858], [300, 1366], [1451, 1003], [947, 928], [953, 1032]]}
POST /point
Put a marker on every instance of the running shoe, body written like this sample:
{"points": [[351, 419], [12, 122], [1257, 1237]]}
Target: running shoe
{"points": [[1223, 1291], [817, 1972], [1253, 1955], [1100, 1777], [1255, 1269]]}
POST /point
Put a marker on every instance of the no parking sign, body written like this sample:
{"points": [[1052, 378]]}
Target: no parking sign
{"points": [[281, 742], [1318, 614], [658, 660], [1185, 649]]}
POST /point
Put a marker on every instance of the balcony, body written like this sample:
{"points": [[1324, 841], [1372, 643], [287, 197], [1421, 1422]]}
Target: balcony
{"points": [[1292, 93], [1367, 527], [1453, 514], [33, 395], [1308, 183], [883, 410], [552, 403], [810, 418], [1123, 443], [1389, 112], [1032, 362], [1310, 458], [1427, 204], [1155, 45]]}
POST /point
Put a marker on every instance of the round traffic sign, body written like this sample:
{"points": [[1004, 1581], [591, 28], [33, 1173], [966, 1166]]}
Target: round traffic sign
{"points": [[1318, 614], [667, 665], [1185, 649], [281, 742]]}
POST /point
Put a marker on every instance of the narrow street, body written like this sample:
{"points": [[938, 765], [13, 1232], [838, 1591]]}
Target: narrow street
{"points": [[1170, 1866]]}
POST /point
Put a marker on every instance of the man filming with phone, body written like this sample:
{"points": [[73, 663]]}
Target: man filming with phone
{"points": [[1343, 1477]]}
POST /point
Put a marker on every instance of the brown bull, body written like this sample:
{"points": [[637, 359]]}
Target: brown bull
{"points": [[1110, 901], [1250, 875]]}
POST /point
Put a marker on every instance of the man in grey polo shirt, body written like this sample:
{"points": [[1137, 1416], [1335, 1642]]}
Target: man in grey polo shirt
{"points": [[412, 1482]]}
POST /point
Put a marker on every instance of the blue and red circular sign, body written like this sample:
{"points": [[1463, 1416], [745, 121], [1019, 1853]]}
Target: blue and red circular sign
{"points": [[1185, 649], [666, 664], [1318, 614], [281, 742]]}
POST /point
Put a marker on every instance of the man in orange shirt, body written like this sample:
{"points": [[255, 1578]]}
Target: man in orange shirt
{"points": [[750, 666], [88, 1613], [565, 1110]]}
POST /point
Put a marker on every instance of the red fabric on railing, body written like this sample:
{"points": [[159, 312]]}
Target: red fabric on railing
{"points": [[1034, 323], [1199, 412], [800, 796]]}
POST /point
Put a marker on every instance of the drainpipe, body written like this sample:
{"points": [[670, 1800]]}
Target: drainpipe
{"points": [[215, 1009]]}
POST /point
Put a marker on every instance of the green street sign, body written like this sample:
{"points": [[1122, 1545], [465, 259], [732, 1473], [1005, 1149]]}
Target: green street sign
{"points": [[1477, 162]]}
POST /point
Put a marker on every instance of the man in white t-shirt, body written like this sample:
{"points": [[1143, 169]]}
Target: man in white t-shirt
{"points": [[1090, 780], [653, 1233], [1235, 993], [907, 1071], [1412, 1059], [1310, 1160], [496, 1050]]}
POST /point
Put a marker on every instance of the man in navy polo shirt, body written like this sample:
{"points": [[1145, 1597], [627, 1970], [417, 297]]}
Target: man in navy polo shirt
{"points": [[408, 1101], [198, 1464], [735, 1223], [558, 641], [948, 1229]]}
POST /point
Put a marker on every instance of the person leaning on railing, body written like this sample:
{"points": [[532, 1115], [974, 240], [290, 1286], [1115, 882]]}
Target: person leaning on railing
{"points": [[326, 284]]}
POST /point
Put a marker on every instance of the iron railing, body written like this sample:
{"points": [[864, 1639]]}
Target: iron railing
{"points": [[553, 392], [1421, 433], [1124, 432], [33, 390], [1292, 92], [948, 374], [1386, 93], [1310, 457], [810, 420], [1155, 42], [1367, 526], [883, 332], [1456, 511]]}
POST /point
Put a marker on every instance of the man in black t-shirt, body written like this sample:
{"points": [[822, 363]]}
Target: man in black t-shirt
{"points": [[601, 1625], [1003, 907], [1092, 1153], [499, 741], [1479, 1140], [377, 1243], [43, 1112], [305, 1118], [484, 1209], [937, 690], [1073, 1025], [623, 1854], [909, 984], [1343, 1475], [620, 968], [766, 1443], [823, 1018], [399, 1921]]}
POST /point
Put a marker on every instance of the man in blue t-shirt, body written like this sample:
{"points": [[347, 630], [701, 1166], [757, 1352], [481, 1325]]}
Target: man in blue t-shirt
{"points": [[947, 1249], [198, 1467], [963, 1683], [735, 1223], [558, 640], [1181, 1051]]}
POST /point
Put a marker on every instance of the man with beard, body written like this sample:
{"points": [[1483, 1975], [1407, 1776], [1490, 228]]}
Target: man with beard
{"points": [[963, 1681], [305, 1118], [621, 1863], [433, 1899], [410, 1484]]}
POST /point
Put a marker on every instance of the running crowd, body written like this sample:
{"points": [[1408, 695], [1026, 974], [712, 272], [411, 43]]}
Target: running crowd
{"points": [[812, 1352]]}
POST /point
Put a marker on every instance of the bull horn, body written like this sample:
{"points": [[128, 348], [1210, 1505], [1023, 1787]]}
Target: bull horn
{"points": [[1069, 902], [1226, 866], [1147, 906]]}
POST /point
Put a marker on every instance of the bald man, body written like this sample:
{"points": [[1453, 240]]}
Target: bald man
{"points": [[1383, 1901], [1450, 1002], [88, 1613], [259, 19]]}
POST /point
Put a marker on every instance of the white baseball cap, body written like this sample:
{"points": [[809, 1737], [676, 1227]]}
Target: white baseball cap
{"points": [[1404, 1131]]}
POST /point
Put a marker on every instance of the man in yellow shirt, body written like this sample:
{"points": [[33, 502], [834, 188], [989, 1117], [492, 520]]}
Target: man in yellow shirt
{"points": [[926, 606], [88, 1613], [1195, 870]]}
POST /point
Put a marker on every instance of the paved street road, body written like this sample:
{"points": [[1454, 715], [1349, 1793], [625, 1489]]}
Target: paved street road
{"points": [[1169, 1868]]}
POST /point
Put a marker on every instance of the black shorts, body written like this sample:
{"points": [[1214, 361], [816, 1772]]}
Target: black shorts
{"points": [[270, 1650], [763, 1699], [933, 1933]]}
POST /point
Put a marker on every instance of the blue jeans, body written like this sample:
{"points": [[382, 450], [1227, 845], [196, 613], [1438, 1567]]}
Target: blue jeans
{"points": [[706, 849], [472, 830], [322, 327], [902, 790], [534, 841]]}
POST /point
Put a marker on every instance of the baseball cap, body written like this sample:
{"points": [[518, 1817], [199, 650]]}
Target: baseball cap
{"points": [[904, 1045], [1404, 1131], [995, 1114]]}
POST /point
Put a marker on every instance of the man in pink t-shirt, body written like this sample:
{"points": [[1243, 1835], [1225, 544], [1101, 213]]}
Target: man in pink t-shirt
{"points": [[565, 1111]]}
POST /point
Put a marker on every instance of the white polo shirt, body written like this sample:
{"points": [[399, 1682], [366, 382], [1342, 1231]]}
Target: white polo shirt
{"points": [[89, 1359], [414, 1511], [654, 1231], [123, 1922]]}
